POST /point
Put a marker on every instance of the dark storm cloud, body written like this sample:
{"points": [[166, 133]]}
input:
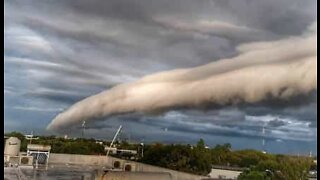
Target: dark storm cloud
{"points": [[285, 16], [302, 107], [276, 123], [66, 97], [64, 51], [181, 123], [139, 21], [143, 14]]}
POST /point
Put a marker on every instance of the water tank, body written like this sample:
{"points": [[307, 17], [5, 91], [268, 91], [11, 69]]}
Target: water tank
{"points": [[12, 146]]}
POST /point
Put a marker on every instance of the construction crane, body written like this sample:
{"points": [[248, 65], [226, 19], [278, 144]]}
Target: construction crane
{"points": [[114, 137]]}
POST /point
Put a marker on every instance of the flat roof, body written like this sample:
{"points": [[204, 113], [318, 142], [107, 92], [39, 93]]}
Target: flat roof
{"points": [[230, 168], [39, 147]]}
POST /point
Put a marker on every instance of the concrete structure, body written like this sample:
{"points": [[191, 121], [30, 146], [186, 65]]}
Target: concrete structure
{"points": [[26, 160], [18, 161], [11, 151], [30, 137], [222, 172], [12, 146], [126, 151], [11, 173], [108, 162], [118, 175], [38, 147], [114, 150], [12, 155], [12, 160], [99, 142], [40, 153]]}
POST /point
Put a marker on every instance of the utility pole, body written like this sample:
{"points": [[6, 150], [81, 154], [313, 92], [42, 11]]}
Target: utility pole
{"points": [[31, 136], [83, 128], [142, 149], [310, 154], [263, 139]]}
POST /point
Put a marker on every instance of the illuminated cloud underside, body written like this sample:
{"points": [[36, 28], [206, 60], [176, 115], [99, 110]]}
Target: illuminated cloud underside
{"points": [[282, 69]]}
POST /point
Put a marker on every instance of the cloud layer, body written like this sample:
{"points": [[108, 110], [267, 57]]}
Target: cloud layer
{"points": [[60, 52], [261, 71]]}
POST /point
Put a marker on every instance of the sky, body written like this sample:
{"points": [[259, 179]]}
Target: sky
{"points": [[60, 52]]}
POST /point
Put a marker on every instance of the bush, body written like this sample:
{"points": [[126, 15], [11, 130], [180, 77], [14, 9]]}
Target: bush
{"points": [[252, 175]]}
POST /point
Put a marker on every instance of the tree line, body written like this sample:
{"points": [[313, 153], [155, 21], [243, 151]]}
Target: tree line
{"points": [[256, 164]]}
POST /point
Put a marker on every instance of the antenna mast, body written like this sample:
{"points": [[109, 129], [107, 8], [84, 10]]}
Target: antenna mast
{"points": [[263, 140], [263, 133], [31, 137], [84, 127]]}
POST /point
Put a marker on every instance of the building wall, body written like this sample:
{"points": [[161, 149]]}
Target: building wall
{"points": [[117, 175], [77, 159], [103, 161]]}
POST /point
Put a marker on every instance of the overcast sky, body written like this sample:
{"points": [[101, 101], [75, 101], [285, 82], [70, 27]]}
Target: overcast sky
{"points": [[60, 52]]}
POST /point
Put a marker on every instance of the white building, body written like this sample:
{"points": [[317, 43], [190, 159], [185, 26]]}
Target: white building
{"points": [[114, 150], [221, 172]]}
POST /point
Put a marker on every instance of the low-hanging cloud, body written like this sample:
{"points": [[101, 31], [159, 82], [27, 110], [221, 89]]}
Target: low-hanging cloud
{"points": [[276, 69]]}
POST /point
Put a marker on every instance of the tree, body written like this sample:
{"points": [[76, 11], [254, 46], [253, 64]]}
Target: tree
{"points": [[179, 157], [201, 144], [16, 134], [268, 165], [220, 154], [252, 175], [294, 167]]}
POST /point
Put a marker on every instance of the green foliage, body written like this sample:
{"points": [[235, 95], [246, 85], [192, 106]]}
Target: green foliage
{"points": [[280, 167], [294, 167], [252, 175], [179, 157], [70, 146], [198, 160], [15, 134], [201, 144], [313, 166], [126, 145], [268, 164], [221, 154], [250, 157]]}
